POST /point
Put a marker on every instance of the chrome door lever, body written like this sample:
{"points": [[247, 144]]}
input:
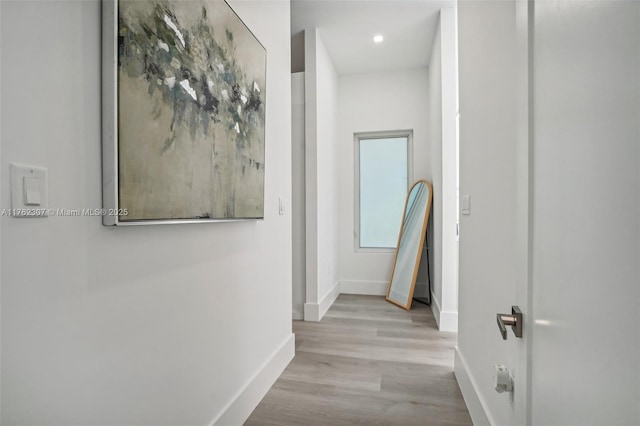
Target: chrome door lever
{"points": [[514, 320]]}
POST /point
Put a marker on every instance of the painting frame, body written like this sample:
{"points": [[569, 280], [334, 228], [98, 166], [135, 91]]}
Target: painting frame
{"points": [[114, 211]]}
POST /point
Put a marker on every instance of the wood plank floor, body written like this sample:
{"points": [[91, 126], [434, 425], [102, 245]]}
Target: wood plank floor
{"points": [[367, 362]]}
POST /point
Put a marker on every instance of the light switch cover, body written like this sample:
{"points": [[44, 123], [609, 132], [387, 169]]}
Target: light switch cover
{"points": [[466, 204], [29, 191]]}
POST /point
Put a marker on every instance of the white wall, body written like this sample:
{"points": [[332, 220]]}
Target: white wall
{"points": [[321, 93], [375, 102], [156, 325], [297, 195], [448, 320], [488, 134], [443, 108], [435, 168]]}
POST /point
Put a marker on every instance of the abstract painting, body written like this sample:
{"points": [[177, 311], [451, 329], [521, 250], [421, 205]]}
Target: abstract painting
{"points": [[190, 111]]}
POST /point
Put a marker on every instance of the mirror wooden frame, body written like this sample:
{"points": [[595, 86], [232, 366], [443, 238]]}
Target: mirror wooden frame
{"points": [[418, 249]]}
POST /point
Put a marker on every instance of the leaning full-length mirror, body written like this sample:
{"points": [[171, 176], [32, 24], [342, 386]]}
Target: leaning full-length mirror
{"points": [[410, 243]]}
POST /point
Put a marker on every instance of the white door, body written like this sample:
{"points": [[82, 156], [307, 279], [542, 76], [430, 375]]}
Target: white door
{"points": [[571, 203], [585, 353]]}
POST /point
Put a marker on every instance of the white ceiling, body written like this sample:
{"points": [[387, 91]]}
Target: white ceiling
{"points": [[348, 26]]}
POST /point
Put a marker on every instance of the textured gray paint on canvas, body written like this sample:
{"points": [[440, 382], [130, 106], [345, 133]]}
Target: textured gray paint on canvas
{"points": [[191, 112]]}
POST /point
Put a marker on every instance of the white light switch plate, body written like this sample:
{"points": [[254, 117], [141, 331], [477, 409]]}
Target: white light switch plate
{"points": [[281, 206], [466, 204], [29, 182]]}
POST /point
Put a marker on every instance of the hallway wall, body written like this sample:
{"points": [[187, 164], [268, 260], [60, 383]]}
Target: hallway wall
{"points": [[488, 135], [443, 108], [321, 185], [298, 195], [367, 103], [435, 168], [158, 325]]}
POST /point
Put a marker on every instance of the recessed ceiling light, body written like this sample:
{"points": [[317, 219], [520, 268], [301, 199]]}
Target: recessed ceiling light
{"points": [[378, 39]]}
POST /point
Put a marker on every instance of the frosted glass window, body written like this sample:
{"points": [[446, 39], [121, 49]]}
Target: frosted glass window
{"points": [[383, 182]]}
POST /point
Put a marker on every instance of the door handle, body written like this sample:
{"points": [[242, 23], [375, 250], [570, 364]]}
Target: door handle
{"points": [[514, 320]]}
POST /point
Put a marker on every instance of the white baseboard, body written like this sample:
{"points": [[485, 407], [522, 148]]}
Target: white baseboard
{"points": [[371, 288], [447, 320], [245, 401], [297, 315], [476, 405], [315, 311]]}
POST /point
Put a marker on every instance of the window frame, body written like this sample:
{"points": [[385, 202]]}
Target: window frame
{"points": [[357, 137]]}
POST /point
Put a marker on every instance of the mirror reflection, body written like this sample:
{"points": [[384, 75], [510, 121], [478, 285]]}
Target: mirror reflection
{"points": [[410, 243]]}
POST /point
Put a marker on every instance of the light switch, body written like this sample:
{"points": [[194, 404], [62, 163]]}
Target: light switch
{"points": [[466, 204], [31, 191], [281, 206]]}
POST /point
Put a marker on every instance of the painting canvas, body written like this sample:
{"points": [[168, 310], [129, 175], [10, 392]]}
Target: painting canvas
{"points": [[190, 112]]}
